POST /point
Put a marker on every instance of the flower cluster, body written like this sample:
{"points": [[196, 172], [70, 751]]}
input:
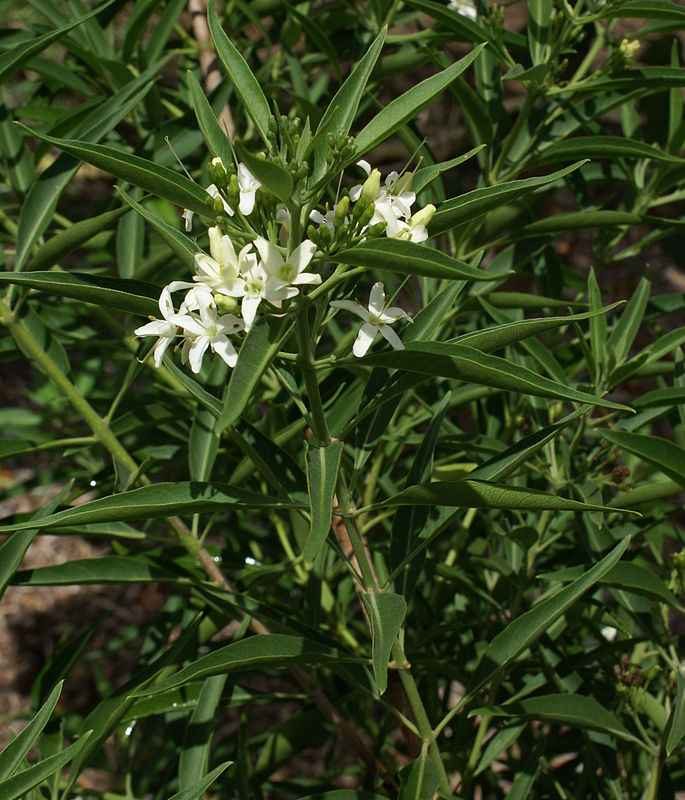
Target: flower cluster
{"points": [[373, 209], [258, 273]]}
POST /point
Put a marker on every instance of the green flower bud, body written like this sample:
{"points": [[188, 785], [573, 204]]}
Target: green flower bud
{"points": [[376, 230], [312, 233], [360, 207], [325, 236], [225, 304], [233, 194], [217, 171], [366, 216], [218, 205], [342, 208], [372, 186], [424, 216]]}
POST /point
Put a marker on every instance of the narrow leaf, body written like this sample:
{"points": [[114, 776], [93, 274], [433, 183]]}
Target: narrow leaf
{"points": [[323, 463], [386, 612]]}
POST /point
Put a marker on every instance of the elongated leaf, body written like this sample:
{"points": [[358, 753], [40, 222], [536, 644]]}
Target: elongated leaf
{"points": [[577, 220], [344, 794], [15, 56], [19, 785], [87, 571], [256, 353], [275, 178], [240, 74], [272, 649], [407, 105], [197, 792], [386, 612], [603, 147], [477, 202], [484, 494], [651, 9], [323, 463], [15, 752], [468, 364], [155, 178], [675, 728], [499, 744], [133, 296], [673, 396], [130, 242], [569, 709], [624, 332], [528, 627], [407, 258], [158, 500], [664, 455], [490, 339], [216, 138], [426, 175], [539, 17]]}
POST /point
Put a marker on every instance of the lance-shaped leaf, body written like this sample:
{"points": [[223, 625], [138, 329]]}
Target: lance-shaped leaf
{"points": [[323, 463], [624, 332], [216, 139], [569, 709], [88, 571], [484, 494], [125, 295], [539, 18], [408, 258], [273, 649], [651, 9], [15, 56], [161, 181], [407, 105], [158, 500], [675, 727], [527, 628], [197, 792], [468, 364], [672, 396], [603, 147], [275, 178], [663, 454], [478, 202], [426, 175], [386, 612], [240, 74]]}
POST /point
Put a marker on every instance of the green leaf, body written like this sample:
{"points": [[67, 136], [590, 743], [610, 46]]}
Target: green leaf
{"points": [[419, 780], [407, 105], [603, 147], [323, 463], [569, 709], [478, 202], [489, 339], [539, 17], [672, 396], [499, 744], [386, 611], [342, 110], [194, 758], [87, 571], [197, 792], [240, 74], [577, 220], [426, 175], [73, 237], [130, 241], [624, 332], [653, 9], [273, 649], [675, 728], [468, 364], [484, 494], [256, 353], [18, 786], [634, 79], [125, 295], [215, 137], [344, 794], [161, 181], [18, 748], [663, 454], [15, 56], [158, 500], [408, 258], [275, 178], [525, 629]]}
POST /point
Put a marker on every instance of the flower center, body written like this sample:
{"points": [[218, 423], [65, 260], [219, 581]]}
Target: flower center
{"points": [[287, 272], [254, 285]]}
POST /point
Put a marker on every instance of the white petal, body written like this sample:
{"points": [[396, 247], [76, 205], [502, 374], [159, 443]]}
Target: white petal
{"points": [[246, 180], [307, 278], [356, 192], [270, 255], [188, 219], [377, 299], [248, 309], [196, 353], [160, 348], [157, 327], [350, 305], [207, 267], [367, 333], [230, 323], [214, 192], [247, 201], [221, 248], [419, 233], [391, 315], [191, 325], [365, 166], [302, 255], [223, 348], [389, 334], [246, 258], [317, 217]]}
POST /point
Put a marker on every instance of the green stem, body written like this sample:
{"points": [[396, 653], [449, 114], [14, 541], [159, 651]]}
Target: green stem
{"points": [[304, 342]]}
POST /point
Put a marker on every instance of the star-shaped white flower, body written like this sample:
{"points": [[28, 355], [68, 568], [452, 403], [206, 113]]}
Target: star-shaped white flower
{"points": [[392, 205], [377, 319], [259, 285], [165, 329], [222, 271], [248, 185], [209, 331], [290, 271]]}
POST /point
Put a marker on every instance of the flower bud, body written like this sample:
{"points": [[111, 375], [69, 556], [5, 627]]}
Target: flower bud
{"points": [[218, 205], [424, 216], [313, 234], [225, 304], [629, 48], [342, 208], [372, 186], [233, 194], [366, 216], [360, 207], [325, 236], [217, 171], [376, 230]]}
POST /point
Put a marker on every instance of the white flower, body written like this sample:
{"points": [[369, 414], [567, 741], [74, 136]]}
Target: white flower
{"points": [[291, 271], [187, 219], [415, 230], [213, 191], [467, 8], [209, 331], [164, 328], [259, 285], [327, 219], [248, 189], [392, 204], [222, 270], [377, 319]]}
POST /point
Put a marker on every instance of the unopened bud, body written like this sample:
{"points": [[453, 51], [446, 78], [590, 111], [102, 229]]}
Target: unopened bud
{"points": [[342, 208], [226, 304], [366, 216], [376, 230], [217, 204], [424, 216], [325, 236], [360, 207], [629, 48], [372, 186], [233, 194], [217, 171]]}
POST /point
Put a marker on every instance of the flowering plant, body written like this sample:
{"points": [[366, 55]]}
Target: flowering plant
{"points": [[374, 392]]}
